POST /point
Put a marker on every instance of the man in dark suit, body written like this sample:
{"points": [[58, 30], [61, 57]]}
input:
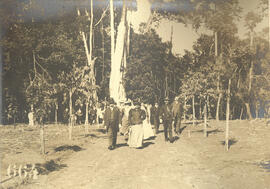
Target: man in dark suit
{"points": [[111, 122], [167, 118], [177, 115], [154, 117]]}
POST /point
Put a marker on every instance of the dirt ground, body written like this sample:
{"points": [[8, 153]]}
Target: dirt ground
{"points": [[189, 162]]}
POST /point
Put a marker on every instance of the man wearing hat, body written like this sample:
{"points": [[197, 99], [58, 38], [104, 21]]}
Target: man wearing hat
{"points": [[177, 114], [167, 118], [111, 122]]}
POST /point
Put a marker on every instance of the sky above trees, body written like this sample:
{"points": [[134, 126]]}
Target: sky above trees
{"points": [[184, 37]]}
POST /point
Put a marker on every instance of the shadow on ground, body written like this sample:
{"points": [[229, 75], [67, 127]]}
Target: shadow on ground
{"points": [[231, 142], [121, 145], [182, 129], [103, 131], [160, 131], [49, 166], [175, 138], [146, 144], [196, 122], [215, 131], [75, 148], [93, 136], [150, 138]]}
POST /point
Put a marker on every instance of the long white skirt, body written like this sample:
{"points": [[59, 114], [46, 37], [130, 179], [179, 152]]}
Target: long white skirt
{"points": [[147, 130], [135, 139]]}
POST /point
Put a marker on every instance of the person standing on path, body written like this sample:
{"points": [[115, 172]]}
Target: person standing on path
{"points": [[154, 117], [124, 122], [147, 128], [177, 115], [167, 118], [111, 122], [135, 119]]}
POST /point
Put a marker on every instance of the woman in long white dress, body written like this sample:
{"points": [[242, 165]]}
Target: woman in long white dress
{"points": [[135, 118], [147, 128]]}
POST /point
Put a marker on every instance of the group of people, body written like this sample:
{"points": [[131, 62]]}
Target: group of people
{"points": [[137, 121]]}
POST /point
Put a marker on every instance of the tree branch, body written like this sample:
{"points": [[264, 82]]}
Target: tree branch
{"points": [[102, 16]]}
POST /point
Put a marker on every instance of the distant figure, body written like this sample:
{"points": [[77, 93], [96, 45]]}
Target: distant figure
{"points": [[111, 122], [31, 118], [135, 118], [73, 119], [154, 117], [100, 113], [92, 116], [79, 116], [167, 117], [177, 115]]}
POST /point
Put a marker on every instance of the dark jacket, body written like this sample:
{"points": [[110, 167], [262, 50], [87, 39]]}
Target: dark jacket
{"points": [[154, 114], [166, 113], [136, 116], [111, 118]]}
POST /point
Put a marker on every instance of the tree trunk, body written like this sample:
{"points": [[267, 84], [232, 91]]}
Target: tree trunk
{"points": [[249, 115], [218, 82], [250, 77], [241, 114], [216, 44], [185, 108], [208, 107], [257, 110], [55, 113], [89, 52], [219, 98], [86, 123], [91, 31], [269, 23], [70, 114], [92, 61], [200, 108], [193, 110], [233, 113], [14, 120], [218, 106], [205, 121], [103, 51], [116, 87], [112, 30], [166, 85], [228, 116], [42, 139]]}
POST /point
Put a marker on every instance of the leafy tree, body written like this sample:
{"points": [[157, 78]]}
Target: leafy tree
{"points": [[145, 68]]}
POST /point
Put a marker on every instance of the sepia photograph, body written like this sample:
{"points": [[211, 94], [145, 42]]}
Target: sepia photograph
{"points": [[134, 94]]}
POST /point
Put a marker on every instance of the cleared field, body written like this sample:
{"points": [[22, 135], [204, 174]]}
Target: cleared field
{"points": [[190, 162]]}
